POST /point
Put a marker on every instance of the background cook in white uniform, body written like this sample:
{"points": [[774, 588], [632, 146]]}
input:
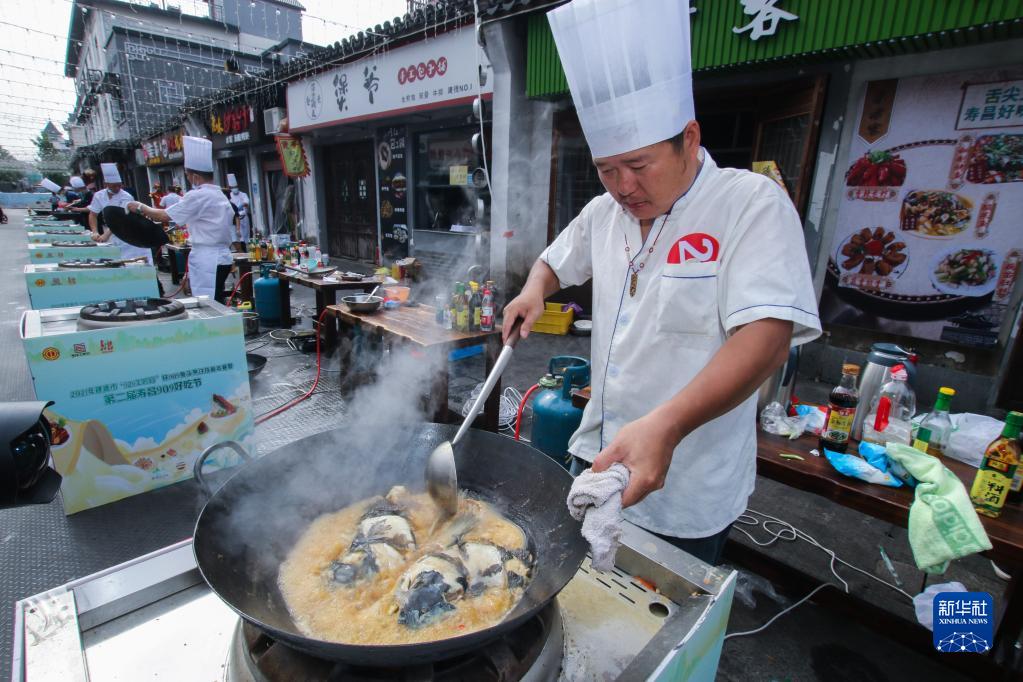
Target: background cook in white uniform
{"points": [[241, 200], [101, 200], [209, 217], [747, 262]]}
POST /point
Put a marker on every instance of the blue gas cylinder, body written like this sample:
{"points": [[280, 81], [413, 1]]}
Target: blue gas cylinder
{"points": [[267, 293], [555, 418]]}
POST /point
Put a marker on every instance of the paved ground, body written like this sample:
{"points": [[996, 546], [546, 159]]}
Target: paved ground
{"points": [[41, 548]]}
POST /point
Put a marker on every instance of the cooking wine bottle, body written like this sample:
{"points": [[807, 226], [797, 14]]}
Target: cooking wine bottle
{"points": [[841, 409], [994, 477]]}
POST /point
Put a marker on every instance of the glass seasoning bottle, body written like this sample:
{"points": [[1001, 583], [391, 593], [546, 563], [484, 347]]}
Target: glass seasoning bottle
{"points": [[994, 477], [939, 422], [475, 306], [841, 409], [923, 437]]}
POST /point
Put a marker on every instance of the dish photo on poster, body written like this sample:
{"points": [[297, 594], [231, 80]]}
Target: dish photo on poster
{"points": [[968, 270], [873, 251], [996, 159], [935, 213], [878, 168]]}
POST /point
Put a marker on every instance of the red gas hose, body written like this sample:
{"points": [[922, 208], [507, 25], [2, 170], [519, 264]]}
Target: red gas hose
{"points": [[291, 403], [236, 285], [522, 406]]}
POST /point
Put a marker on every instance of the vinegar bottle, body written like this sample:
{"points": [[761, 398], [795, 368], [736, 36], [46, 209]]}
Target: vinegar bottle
{"points": [[841, 410]]}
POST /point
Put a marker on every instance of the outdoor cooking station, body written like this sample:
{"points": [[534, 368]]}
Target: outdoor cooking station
{"points": [[155, 615]]}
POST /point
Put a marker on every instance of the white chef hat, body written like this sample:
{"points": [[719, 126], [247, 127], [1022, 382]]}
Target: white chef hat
{"points": [[628, 65], [110, 173], [198, 154], [77, 182], [232, 181], [49, 184]]}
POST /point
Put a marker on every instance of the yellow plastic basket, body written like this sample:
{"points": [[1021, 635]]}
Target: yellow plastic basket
{"points": [[553, 321]]}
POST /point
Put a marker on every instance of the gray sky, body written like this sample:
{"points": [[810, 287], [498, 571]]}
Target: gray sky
{"points": [[33, 42]]}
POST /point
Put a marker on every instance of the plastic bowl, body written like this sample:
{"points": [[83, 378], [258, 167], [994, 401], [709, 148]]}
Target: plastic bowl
{"points": [[400, 294]]}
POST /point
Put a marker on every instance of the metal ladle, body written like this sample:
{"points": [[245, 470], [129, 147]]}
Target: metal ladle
{"points": [[441, 477]]}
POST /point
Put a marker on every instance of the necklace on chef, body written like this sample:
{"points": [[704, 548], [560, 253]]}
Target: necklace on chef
{"points": [[634, 269]]}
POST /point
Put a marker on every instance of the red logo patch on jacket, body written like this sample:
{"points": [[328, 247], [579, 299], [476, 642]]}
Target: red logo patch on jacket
{"points": [[697, 246]]}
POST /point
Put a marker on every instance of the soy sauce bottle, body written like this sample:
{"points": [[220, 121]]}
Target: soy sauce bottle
{"points": [[842, 405]]}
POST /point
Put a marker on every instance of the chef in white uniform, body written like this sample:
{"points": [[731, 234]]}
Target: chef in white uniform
{"points": [[701, 281], [241, 200], [54, 189], [113, 195], [209, 217]]}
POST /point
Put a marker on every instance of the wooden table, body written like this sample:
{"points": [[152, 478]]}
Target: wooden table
{"points": [[326, 295], [816, 475], [172, 260], [416, 326]]}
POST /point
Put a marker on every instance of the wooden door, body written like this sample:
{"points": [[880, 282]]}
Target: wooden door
{"points": [[351, 201]]}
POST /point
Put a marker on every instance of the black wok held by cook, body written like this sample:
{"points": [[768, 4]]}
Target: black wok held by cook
{"points": [[700, 278]]}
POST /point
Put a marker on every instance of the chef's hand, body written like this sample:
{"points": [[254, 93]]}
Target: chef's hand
{"points": [[131, 206], [645, 447], [528, 305]]}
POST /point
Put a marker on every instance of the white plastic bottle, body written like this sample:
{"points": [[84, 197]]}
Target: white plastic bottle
{"points": [[889, 419]]}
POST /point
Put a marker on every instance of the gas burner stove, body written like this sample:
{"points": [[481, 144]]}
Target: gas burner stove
{"points": [[532, 652], [154, 617], [50, 230], [84, 263], [130, 311], [71, 245]]}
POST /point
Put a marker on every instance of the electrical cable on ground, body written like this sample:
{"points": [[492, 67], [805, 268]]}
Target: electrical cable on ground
{"points": [[790, 533]]}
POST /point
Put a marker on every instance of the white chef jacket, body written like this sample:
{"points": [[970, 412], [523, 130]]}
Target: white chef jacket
{"points": [[169, 199], [100, 200], [210, 220], [730, 252], [241, 200]]}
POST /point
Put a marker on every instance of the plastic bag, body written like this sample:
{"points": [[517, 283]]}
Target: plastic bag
{"points": [[813, 417], [851, 465], [971, 436], [877, 457], [923, 603], [773, 420]]}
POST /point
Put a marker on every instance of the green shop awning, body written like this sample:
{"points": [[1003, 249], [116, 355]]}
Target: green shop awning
{"points": [[824, 29]]}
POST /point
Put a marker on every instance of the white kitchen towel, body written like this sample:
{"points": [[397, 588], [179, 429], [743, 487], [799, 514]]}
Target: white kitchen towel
{"points": [[596, 500]]}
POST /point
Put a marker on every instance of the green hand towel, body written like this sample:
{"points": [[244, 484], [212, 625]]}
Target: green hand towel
{"points": [[942, 522]]}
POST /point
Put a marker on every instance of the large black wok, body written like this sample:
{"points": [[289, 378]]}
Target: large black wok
{"points": [[248, 526], [134, 229]]}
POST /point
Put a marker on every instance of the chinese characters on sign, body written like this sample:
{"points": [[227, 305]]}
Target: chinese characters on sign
{"points": [[393, 194], [441, 71], [293, 157], [163, 149], [765, 18], [991, 105]]}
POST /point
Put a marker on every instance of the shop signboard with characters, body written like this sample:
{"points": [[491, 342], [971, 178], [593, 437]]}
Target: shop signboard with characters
{"points": [[392, 172], [928, 242], [135, 404], [444, 71]]}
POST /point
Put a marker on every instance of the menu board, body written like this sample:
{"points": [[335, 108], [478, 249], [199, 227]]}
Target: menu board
{"points": [[927, 242], [394, 232]]}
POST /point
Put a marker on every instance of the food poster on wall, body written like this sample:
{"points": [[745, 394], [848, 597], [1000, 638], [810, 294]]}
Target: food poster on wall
{"points": [[392, 173], [135, 406], [928, 242]]}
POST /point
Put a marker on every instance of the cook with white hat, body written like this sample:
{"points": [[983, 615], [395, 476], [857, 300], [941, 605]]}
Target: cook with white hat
{"points": [[113, 194], [209, 216], [241, 201], [53, 188], [701, 281]]}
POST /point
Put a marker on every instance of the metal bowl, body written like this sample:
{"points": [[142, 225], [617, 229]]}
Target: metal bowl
{"points": [[256, 363], [362, 303]]}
